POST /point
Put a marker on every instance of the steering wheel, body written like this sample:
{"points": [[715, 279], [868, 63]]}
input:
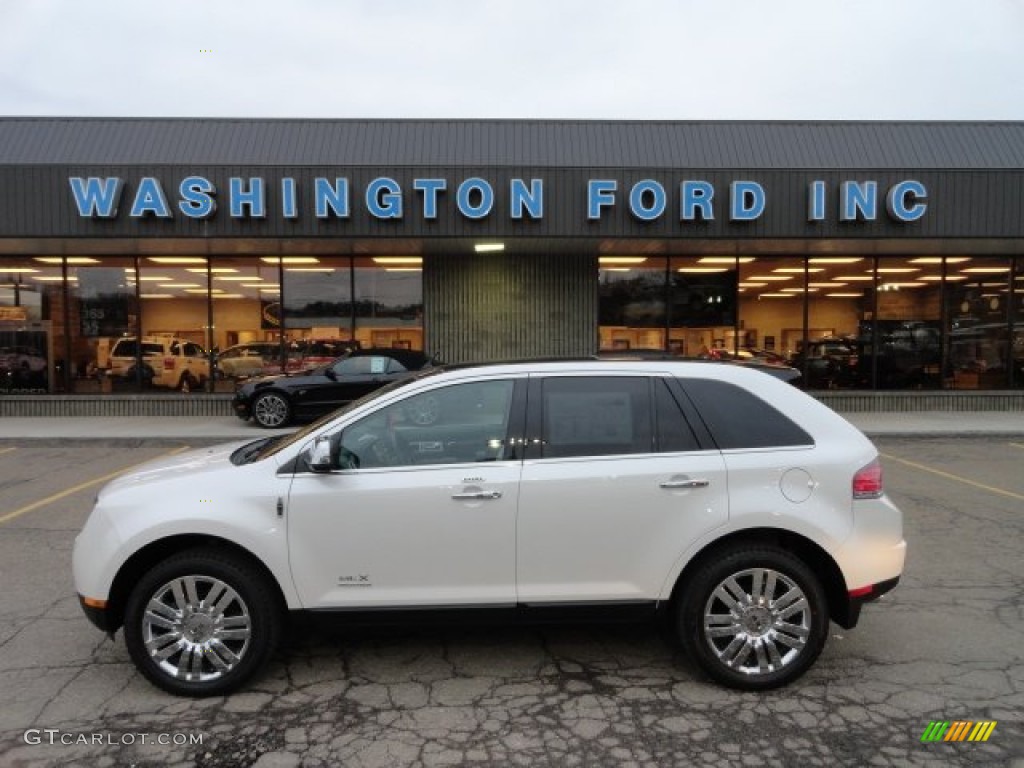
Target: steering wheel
{"points": [[383, 447]]}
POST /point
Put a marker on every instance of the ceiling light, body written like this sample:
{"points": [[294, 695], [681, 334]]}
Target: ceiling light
{"points": [[776, 295], [938, 278], [897, 286], [856, 278], [18, 270], [622, 259], [938, 260], [181, 285], [616, 269], [703, 270], [199, 290], [403, 269], [177, 260], [488, 247], [896, 270], [398, 259], [836, 259], [799, 290], [237, 278], [726, 259], [290, 260], [54, 278], [153, 278], [156, 295], [71, 260], [798, 270], [275, 286], [270, 290], [770, 277], [984, 270], [228, 296], [846, 295], [325, 270], [214, 270], [745, 284], [826, 285]]}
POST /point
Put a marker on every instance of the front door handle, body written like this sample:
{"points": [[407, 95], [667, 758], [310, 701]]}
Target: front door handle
{"points": [[476, 495], [685, 484]]}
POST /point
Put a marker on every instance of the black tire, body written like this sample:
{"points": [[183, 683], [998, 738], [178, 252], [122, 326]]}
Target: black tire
{"points": [[755, 645], [271, 410], [201, 644], [187, 383]]}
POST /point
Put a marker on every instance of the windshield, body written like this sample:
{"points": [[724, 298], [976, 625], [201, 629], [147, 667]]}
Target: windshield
{"points": [[276, 446]]}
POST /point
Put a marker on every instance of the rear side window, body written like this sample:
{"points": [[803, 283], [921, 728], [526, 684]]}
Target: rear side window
{"points": [[737, 418], [602, 416], [674, 433]]}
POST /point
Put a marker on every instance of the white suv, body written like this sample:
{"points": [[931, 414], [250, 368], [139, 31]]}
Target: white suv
{"points": [[721, 498], [166, 362]]}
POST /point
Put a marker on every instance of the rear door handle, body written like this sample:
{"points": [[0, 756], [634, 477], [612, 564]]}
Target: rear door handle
{"points": [[476, 495], [685, 484]]}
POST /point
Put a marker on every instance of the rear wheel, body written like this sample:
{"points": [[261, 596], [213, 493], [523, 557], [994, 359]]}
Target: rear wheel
{"points": [[271, 410], [753, 617], [187, 382], [202, 622]]}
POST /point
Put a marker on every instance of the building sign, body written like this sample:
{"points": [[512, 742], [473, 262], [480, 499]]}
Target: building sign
{"points": [[475, 199]]}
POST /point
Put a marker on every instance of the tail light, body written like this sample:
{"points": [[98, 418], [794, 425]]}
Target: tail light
{"points": [[867, 483], [168, 363]]}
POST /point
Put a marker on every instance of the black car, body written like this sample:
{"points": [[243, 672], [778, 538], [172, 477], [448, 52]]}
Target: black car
{"points": [[276, 401]]}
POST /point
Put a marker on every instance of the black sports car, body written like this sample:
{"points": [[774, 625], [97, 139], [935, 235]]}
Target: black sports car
{"points": [[276, 401]]}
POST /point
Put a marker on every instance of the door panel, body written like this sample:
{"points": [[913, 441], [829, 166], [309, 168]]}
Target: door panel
{"points": [[604, 529]]}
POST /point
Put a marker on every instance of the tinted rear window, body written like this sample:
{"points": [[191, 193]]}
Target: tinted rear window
{"points": [[737, 418]]}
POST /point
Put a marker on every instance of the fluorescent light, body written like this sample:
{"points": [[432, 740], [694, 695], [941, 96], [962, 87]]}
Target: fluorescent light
{"points": [[403, 269], [488, 247], [846, 295], [181, 285], [616, 269], [836, 259], [214, 270], [270, 290], [984, 270], [236, 278], [799, 290], [156, 295], [275, 286], [856, 278], [798, 270], [770, 278], [153, 278], [325, 270], [177, 260], [745, 284], [18, 270], [938, 260], [71, 260], [200, 290], [703, 270], [290, 260], [54, 278], [938, 278], [826, 285], [726, 259], [897, 270], [398, 259], [228, 296], [622, 259], [777, 296]]}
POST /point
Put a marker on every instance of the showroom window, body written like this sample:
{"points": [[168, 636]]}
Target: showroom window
{"points": [[979, 317], [388, 294], [32, 336], [631, 303]]}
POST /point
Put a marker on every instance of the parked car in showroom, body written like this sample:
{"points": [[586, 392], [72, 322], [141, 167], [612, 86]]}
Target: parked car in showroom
{"points": [[166, 362], [724, 501], [277, 401]]}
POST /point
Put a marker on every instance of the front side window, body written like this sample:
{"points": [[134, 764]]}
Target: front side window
{"points": [[595, 416], [463, 423]]}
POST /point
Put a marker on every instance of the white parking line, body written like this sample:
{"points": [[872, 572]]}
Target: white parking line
{"points": [[81, 487], [957, 478]]}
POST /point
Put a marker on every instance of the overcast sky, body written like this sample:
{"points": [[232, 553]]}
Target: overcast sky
{"points": [[630, 59]]}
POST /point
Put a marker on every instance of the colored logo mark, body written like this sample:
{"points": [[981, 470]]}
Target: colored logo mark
{"points": [[958, 730]]}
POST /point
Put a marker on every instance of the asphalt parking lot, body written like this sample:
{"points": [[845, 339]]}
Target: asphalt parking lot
{"points": [[947, 645]]}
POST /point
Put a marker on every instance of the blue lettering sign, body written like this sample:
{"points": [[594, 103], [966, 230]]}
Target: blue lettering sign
{"points": [[334, 197], [485, 194], [694, 196], [95, 197], [746, 201], [600, 194], [904, 200], [197, 197], [650, 189], [289, 203], [816, 201], [384, 198], [430, 189], [150, 198], [858, 200], [251, 198], [529, 200]]}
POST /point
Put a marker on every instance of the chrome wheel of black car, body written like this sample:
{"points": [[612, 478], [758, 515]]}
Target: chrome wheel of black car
{"points": [[201, 623], [271, 410]]}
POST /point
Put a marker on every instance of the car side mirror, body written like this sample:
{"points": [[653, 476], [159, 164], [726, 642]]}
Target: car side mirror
{"points": [[330, 374], [319, 455]]}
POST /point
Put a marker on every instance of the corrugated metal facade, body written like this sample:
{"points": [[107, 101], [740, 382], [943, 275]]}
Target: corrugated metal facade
{"points": [[548, 144], [500, 307]]}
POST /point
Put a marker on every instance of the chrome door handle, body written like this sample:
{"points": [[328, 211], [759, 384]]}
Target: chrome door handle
{"points": [[474, 495], [685, 484]]}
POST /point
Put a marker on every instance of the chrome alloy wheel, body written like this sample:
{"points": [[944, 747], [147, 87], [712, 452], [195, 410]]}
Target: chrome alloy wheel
{"points": [[196, 628], [757, 621], [270, 410]]}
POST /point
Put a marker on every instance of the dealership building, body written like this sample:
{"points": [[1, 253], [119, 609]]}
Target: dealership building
{"points": [[874, 255]]}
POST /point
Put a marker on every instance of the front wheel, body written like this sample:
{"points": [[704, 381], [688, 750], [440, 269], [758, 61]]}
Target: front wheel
{"points": [[271, 410], [753, 617], [201, 623]]}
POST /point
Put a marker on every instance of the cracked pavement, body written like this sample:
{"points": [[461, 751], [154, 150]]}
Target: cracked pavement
{"points": [[945, 645]]}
